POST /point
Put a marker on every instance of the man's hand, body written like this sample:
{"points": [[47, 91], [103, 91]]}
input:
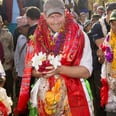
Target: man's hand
{"points": [[100, 55]]}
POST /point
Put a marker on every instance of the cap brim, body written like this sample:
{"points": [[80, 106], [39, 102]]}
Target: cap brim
{"points": [[112, 19], [55, 10]]}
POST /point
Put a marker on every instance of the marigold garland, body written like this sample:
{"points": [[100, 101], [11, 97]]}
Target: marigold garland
{"points": [[52, 98]]}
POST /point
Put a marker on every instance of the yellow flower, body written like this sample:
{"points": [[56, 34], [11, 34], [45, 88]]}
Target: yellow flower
{"points": [[31, 37], [50, 98], [48, 111], [57, 86]]}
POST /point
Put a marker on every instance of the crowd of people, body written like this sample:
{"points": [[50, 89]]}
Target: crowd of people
{"points": [[57, 58]]}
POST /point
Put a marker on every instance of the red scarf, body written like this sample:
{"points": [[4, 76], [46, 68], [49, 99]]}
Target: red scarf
{"points": [[72, 49]]}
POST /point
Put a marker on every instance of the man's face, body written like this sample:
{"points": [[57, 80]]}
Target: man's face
{"points": [[113, 26], [55, 21]]}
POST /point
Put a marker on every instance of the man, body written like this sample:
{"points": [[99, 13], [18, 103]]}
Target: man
{"points": [[99, 32], [11, 9], [32, 15], [64, 61], [7, 42], [19, 54], [109, 69]]}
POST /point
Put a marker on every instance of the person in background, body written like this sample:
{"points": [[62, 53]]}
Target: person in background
{"points": [[6, 39], [87, 26], [19, 54], [57, 56], [100, 11], [95, 18], [10, 9], [83, 18], [98, 33], [69, 4], [32, 15], [28, 3], [108, 71], [95, 5]]}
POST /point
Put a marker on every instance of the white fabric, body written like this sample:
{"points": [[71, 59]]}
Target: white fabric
{"points": [[2, 72], [86, 60], [33, 95], [5, 99], [89, 101]]}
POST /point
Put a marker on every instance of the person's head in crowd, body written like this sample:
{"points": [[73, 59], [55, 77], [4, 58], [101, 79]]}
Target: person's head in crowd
{"points": [[83, 17], [110, 7], [54, 11], [100, 10], [113, 21], [32, 14], [95, 5], [95, 18], [87, 26], [106, 4], [22, 25]]}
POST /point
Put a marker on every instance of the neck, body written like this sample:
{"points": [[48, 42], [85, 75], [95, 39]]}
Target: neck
{"points": [[33, 23], [51, 30]]}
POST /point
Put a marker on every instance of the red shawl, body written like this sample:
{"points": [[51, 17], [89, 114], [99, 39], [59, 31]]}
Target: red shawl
{"points": [[72, 49]]}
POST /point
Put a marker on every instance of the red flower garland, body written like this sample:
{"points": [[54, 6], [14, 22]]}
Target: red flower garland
{"points": [[104, 91]]}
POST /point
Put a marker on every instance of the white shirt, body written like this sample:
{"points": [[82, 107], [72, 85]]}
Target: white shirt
{"points": [[86, 59]]}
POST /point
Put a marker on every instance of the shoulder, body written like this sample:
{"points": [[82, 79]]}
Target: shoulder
{"points": [[6, 31], [96, 25]]}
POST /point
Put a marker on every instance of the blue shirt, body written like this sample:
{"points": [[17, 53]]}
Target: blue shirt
{"points": [[15, 11]]}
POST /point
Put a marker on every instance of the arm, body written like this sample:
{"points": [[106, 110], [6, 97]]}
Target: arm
{"points": [[84, 70], [16, 56], [3, 10], [98, 42]]}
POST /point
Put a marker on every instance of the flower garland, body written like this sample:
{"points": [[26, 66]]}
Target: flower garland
{"points": [[45, 38], [109, 49], [56, 93], [52, 98]]}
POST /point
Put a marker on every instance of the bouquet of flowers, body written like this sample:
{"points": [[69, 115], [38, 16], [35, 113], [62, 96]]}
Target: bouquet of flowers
{"points": [[41, 61]]}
